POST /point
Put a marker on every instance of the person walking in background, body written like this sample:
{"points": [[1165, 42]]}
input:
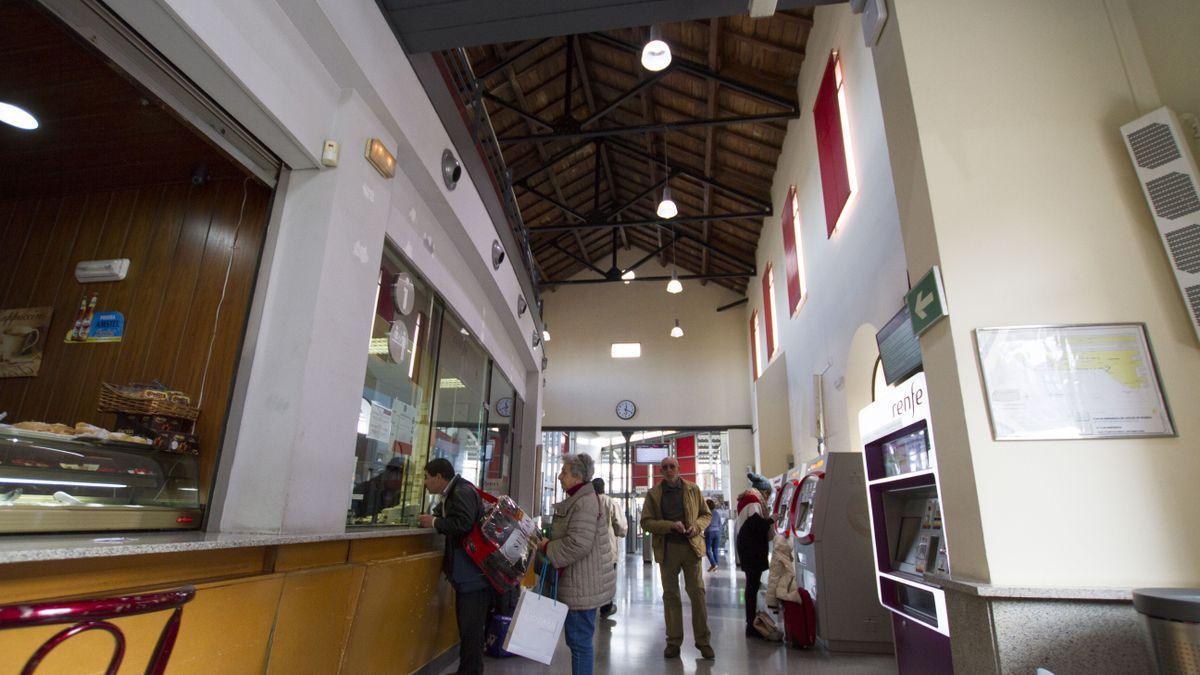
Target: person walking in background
{"points": [[712, 534], [454, 517], [616, 527], [753, 541], [579, 549], [676, 515]]}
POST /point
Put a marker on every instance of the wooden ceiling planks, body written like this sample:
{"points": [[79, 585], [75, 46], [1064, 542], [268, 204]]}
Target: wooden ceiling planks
{"points": [[588, 176]]}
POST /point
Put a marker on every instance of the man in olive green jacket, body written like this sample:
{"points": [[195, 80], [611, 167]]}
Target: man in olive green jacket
{"points": [[676, 515]]}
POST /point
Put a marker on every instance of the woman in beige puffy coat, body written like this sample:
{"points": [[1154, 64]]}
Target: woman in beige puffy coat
{"points": [[579, 548], [782, 583]]}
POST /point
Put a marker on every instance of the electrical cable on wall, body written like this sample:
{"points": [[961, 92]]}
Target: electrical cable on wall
{"points": [[224, 287]]}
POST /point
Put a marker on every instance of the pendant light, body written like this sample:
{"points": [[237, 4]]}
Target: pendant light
{"points": [[21, 119], [666, 207], [676, 332], [545, 332], [674, 286], [628, 276], [656, 55]]}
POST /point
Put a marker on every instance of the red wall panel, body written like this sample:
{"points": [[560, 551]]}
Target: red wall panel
{"points": [[831, 146], [791, 252]]}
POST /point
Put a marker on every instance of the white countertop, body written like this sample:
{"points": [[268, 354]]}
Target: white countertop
{"points": [[987, 590], [34, 548]]}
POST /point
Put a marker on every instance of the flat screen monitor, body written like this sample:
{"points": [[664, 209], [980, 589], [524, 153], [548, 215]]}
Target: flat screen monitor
{"points": [[650, 454], [899, 348]]}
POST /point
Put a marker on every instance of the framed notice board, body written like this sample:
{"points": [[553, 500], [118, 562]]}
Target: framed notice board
{"points": [[1072, 382]]}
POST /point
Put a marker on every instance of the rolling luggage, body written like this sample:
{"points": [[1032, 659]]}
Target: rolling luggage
{"points": [[800, 621]]}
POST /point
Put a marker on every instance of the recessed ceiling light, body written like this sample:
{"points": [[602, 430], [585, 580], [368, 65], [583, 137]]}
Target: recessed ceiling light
{"points": [[17, 117]]}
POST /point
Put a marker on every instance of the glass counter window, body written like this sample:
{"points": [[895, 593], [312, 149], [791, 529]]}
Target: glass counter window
{"points": [[52, 484], [504, 415], [459, 413], [392, 443]]}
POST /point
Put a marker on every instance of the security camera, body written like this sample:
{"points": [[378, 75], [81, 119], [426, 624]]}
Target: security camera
{"points": [[497, 254], [451, 169]]}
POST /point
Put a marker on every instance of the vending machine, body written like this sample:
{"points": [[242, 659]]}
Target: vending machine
{"points": [[910, 547], [831, 536]]}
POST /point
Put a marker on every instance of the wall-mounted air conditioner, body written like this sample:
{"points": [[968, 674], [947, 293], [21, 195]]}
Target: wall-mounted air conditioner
{"points": [[1167, 171], [95, 271]]}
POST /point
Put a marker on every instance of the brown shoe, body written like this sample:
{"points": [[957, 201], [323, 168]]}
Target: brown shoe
{"points": [[707, 652], [671, 652]]}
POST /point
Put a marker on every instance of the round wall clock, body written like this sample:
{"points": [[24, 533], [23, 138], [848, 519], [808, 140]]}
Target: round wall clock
{"points": [[626, 409], [504, 407]]}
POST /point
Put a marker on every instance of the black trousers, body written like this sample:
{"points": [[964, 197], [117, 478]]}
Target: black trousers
{"points": [[753, 583], [471, 610]]}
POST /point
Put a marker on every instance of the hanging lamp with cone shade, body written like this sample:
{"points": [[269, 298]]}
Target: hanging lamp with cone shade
{"points": [[656, 54], [676, 332]]}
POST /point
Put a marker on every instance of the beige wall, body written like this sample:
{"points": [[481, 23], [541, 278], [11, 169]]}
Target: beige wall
{"points": [[854, 278], [1038, 219], [772, 418], [696, 380], [1168, 30]]}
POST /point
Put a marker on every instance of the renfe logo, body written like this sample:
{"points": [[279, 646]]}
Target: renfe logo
{"points": [[910, 401]]}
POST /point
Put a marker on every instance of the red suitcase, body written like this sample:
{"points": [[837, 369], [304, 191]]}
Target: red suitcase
{"points": [[800, 622]]}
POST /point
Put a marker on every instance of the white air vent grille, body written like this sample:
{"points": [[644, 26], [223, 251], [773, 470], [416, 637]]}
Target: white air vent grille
{"points": [[1153, 146], [1184, 247], [1173, 195], [1168, 174]]}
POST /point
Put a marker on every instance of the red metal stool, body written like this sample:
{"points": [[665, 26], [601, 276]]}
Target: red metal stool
{"points": [[93, 614]]}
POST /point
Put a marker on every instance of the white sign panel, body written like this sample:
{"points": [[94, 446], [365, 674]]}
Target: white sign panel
{"points": [[380, 428], [1070, 382]]}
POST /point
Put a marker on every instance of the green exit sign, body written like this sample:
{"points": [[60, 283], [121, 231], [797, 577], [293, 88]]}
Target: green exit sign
{"points": [[927, 301]]}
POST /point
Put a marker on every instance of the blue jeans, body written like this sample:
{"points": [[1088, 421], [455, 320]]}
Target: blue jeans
{"points": [[712, 541], [581, 631]]}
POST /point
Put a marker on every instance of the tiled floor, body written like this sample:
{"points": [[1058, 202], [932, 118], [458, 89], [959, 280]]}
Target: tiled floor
{"points": [[633, 640]]}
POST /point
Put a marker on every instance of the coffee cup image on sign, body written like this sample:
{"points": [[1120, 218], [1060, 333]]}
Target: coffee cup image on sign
{"points": [[18, 342]]}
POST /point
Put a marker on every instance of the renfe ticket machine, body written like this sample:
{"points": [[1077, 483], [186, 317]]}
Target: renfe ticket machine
{"points": [[822, 508], [910, 548]]}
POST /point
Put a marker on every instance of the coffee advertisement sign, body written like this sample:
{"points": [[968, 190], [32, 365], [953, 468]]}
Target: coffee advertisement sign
{"points": [[22, 339]]}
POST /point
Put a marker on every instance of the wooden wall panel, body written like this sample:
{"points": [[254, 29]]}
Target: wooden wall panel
{"points": [[404, 618], [313, 623], [180, 240]]}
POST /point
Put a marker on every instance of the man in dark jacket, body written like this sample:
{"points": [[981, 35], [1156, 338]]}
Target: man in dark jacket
{"points": [[454, 517]]}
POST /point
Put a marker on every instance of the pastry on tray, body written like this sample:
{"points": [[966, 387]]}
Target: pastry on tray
{"points": [[44, 427]]}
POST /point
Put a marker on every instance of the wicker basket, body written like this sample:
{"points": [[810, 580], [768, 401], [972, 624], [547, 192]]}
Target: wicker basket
{"points": [[115, 401]]}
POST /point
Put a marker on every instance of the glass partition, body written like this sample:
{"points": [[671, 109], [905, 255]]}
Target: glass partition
{"points": [[394, 414], [504, 409], [459, 412]]}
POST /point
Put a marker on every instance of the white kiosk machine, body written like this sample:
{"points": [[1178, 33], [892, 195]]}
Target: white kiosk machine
{"points": [[910, 547], [831, 534]]}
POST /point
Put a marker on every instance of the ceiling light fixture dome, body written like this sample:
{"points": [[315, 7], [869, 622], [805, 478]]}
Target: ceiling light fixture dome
{"points": [[656, 55], [628, 276], [676, 332], [674, 285], [666, 207], [17, 117]]}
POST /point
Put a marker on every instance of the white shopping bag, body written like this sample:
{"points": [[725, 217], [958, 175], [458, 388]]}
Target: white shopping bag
{"points": [[536, 626]]}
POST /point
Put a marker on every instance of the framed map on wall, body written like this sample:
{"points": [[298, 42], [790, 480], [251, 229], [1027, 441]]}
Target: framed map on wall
{"points": [[1072, 382]]}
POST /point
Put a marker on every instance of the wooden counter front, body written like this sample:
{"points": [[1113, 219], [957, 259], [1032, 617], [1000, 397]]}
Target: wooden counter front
{"points": [[351, 606]]}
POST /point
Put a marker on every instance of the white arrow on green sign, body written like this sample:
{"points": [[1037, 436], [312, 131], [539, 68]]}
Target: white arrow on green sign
{"points": [[927, 301]]}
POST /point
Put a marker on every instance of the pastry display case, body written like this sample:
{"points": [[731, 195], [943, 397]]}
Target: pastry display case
{"points": [[53, 482]]}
